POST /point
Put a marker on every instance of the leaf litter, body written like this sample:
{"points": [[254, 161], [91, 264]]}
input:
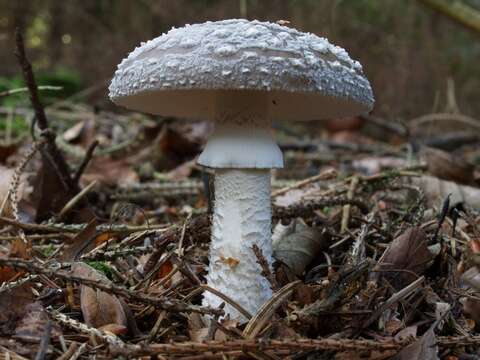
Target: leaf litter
{"points": [[376, 248]]}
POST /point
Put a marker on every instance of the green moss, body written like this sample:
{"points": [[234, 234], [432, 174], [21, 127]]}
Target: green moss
{"points": [[102, 267]]}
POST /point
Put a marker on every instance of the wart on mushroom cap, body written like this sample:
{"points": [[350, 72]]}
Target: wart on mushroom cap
{"points": [[241, 74], [306, 77]]}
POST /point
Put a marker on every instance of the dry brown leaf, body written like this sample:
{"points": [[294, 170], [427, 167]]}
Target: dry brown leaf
{"points": [[448, 167], [31, 327], [471, 306], [8, 149], [375, 164], [114, 329], [296, 244], [182, 171], [50, 194], [98, 308], [81, 243], [228, 324], [437, 190], [110, 172], [197, 328], [12, 307], [425, 348], [406, 256], [18, 249], [407, 333]]}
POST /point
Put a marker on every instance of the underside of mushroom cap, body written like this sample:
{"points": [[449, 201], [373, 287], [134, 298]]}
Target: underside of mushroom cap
{"points": [[180, 73]]}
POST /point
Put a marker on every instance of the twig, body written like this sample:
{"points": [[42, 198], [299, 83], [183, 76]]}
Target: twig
{"points": [[85, 161], [306, 208], [52, 153], [328, 174], [399, 295], [257, 322], [228, 300], [334, 293], [70, 351], [77, 325], [159, 302], [74, 228], [42, 351], [266, 271], [25, 89], [346, 208], [69, 205], [112, 254], [417, 122], [458, 11], [79, 352], [251, 345], [6, 286], [15, 182]]}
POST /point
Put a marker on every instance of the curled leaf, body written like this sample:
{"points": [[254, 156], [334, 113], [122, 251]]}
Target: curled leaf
{"points": [[98, 308], [296, 244]]}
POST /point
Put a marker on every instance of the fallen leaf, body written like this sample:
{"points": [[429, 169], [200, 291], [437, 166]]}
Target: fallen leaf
{"points": [[449, 167], [406, 256], [182, 171], [7, 149], [18, 249], [471, 306], [114, 329], [31, 327], [373, 165], [110, 172], [98, 308], [425, 348], [50, 193], [296, 244], [12, 307], [80, 243], [437, 190], [407, 333]]}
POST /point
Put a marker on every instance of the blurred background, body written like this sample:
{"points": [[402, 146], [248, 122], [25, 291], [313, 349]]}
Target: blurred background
{"points": [[415, 57]]}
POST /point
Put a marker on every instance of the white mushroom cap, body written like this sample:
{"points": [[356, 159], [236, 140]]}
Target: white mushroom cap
{"points": [[182, 72]]}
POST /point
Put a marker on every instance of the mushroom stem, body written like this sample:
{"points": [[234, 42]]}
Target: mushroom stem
{"points": [[242, 217]]}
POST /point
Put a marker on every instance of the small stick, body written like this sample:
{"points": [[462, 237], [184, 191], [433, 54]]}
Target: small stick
{"points": [[13, 284], [86, 159], [257, 322], [159, 302], [69, 352], [399, 295], [266, 271], [346, 208], [25, 89], [77, 325], [261, 344], [306, 208], [325, 175], [52, 153], [42, 352], [69, 205], [228, 300]]}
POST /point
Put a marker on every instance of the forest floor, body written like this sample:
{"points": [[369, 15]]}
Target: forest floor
{"points": [[104, 234]]}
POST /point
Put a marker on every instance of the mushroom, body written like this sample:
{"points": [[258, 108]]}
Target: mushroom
{"points": [[241, 74]]}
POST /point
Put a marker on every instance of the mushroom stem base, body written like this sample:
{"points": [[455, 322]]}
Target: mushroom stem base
{"points": [[242, 218]]}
